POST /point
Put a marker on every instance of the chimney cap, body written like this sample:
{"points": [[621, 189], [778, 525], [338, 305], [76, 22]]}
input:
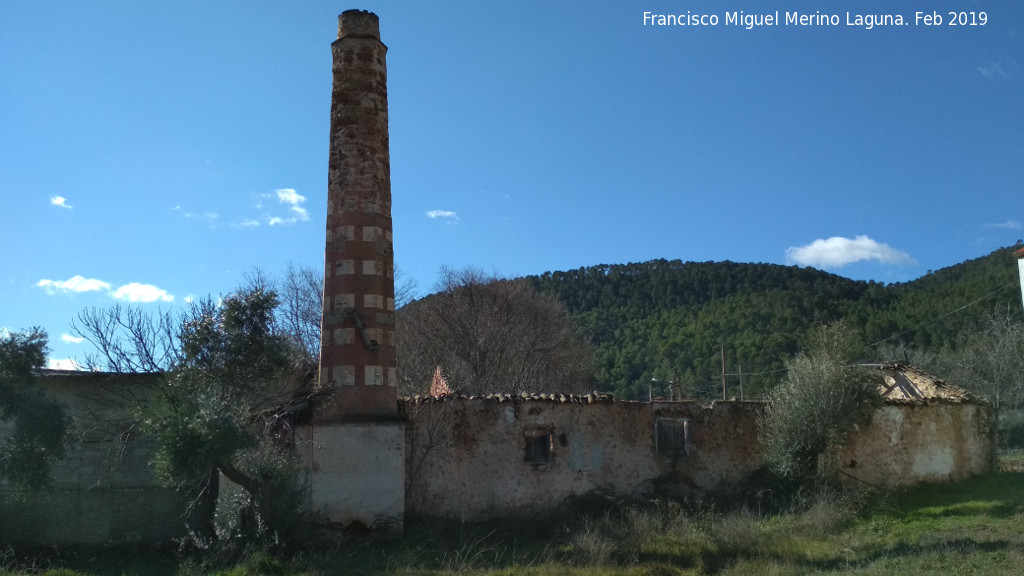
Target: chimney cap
{"points": [[358, 23]]}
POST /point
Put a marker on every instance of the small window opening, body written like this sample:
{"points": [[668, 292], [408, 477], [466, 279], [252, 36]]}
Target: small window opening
{"points": [[672, 437], [538, 446]]}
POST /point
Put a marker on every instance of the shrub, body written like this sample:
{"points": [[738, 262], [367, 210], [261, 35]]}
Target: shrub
{"points": [[812, 411]]}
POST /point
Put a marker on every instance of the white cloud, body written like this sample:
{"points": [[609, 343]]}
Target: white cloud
{"points": [[286, 196], [446, 215], [65, 337], [73, 284], [136, 292], [1009, 225], [187, 214], [294, 201], [61, 202], [289, 196], [837, 252], [993, 69], [63, 364], [131, 292]]}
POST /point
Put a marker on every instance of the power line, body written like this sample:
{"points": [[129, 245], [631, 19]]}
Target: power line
{"points": [[937, 318]]}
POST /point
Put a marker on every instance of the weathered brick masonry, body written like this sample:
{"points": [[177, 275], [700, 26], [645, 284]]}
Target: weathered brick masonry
{"points": [[357, 339]]}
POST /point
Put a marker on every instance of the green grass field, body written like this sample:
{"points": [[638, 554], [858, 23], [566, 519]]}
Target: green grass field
{"points": [[974, 527]]}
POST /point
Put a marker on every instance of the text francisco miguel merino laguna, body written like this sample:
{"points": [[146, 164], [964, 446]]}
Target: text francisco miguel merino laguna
{"points": [[750, 21]]}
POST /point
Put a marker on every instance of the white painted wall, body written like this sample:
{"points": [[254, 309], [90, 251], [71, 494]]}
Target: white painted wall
{"points": [[1020, 269], [356, 472]]}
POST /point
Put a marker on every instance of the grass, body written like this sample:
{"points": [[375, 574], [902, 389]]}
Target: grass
{"points": [[973, 527], [1011, 460]]}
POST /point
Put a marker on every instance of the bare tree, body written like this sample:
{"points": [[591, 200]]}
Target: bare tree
{"points": [[432, 424], [405, 288], [990, 363], [490, 335], [301, 292], [134, 340], [129, 339]]}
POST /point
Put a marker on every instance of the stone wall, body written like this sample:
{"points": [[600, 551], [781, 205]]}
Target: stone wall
{"points": [[103, 491], [912, 442], [477, 458], [474, 458]]}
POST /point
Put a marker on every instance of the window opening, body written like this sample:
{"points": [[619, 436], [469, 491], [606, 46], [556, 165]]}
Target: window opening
{"points": [[538, 446], [672, 437]]}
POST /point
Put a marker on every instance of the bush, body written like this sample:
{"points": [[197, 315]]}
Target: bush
{"points": [[812, 411], [1011, 429]]}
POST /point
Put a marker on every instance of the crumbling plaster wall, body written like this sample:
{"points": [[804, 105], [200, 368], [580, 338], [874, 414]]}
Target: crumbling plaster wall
{"points": [[908, 443], [466, 457]]}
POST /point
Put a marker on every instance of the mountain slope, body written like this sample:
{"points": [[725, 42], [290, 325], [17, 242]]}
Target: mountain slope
{"points": [[670, 320]]}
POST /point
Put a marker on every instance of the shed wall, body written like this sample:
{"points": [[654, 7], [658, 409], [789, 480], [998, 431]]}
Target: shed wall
{"points": [[103, 490], [468, 458], [907, 444]]}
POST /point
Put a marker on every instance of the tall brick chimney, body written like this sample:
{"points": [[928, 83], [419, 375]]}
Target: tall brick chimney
{"points": [[353, 448], [357, 352]]}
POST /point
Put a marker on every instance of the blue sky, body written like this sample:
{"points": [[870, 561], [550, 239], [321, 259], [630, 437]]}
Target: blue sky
{"points": [[155, 152]]}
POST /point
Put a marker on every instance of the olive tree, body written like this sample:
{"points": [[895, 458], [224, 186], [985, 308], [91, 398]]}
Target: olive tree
{"points": [[819, 402], [221, 410], [37, 426]]}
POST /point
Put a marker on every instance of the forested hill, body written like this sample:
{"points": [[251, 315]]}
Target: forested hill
{"points": [[667, 319]]}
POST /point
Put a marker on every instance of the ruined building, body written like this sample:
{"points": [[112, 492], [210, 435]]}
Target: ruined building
{"points": [[370, 457]]}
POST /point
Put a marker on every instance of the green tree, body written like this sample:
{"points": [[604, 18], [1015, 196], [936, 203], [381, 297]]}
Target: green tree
{"points": [[219, 410], [39, 427], [667, 311], [819, 402]]}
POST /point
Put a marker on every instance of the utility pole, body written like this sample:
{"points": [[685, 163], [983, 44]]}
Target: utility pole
{"points": [[741, 382], [724, 390]]}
